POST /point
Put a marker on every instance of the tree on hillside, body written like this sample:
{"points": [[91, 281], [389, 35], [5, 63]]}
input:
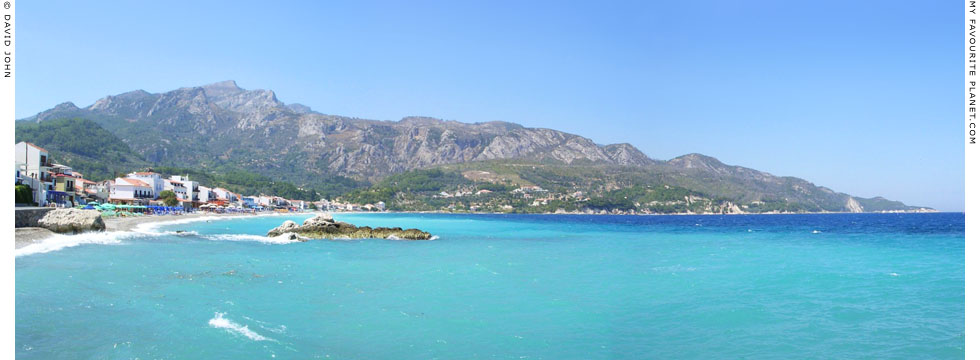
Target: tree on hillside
{"points": [[169, 198]]}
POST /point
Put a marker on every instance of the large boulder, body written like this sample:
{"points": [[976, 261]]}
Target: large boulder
{"points": [[72, 221]]}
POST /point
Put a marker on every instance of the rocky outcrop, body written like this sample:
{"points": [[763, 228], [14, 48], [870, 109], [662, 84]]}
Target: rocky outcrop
{"points": [[323, 226], [72, 221]]}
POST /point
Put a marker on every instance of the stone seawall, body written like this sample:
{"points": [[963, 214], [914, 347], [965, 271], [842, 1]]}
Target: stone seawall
{"points": [[28, 217]]}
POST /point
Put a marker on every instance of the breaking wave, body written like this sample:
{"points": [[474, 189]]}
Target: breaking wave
{"points": [[60, 241], [219, 322], [281, 239]]}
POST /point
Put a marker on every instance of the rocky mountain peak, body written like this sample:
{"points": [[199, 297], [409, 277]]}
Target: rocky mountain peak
{"points": [[222, 88], [421, 120], [696, 161]]}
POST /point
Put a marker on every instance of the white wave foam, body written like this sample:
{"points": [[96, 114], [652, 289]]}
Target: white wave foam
{"points": [[60, 241], [219, 322], [151, 226], [816, 231], [281, 239], [180, 233]]}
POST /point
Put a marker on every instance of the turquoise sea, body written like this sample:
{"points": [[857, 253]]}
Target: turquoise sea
{"points": [[834, 286]]}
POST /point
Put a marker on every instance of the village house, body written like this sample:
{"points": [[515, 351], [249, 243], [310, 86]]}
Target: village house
{"points": [[33, 166], [206, 194], [87, 189], [156, 182], [226, 195], [176, 187], [186, 189], [299, 204], [130, 192]]}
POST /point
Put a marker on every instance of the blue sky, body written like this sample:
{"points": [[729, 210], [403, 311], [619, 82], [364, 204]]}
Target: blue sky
{"points": [[859, 96]]}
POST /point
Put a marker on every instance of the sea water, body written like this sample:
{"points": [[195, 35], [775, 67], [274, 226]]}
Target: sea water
{"points": [[834, 286]]}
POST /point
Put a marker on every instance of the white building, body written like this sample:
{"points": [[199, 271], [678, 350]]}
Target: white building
{"points": [[177, 187], [129, 191], [33, 166], [206, 194], [156, 182], [225, 194], [190, 191]]}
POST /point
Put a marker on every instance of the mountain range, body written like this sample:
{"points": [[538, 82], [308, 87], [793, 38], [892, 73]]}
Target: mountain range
{"points": [[223, 127]]}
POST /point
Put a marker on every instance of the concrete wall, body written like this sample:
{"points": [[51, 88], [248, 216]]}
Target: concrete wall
{"points": [[28, 217]]}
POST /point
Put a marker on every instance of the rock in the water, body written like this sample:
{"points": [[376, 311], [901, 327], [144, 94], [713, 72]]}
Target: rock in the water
{"points": [[286, 227], [294, 237], [323, 226], [321, 219], [72, 221]]}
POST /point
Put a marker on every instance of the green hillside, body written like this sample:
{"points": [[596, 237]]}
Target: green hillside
{"points": [[83, 145]]}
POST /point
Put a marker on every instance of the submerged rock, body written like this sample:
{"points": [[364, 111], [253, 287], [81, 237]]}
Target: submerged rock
{"points": [[323, 226], [72, 221]]}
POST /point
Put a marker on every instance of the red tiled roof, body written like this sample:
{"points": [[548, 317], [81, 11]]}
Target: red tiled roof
{"points": [[37, 147], [135, 182]]}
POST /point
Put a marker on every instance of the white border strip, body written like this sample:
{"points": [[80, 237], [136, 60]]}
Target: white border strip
{"points": [[972, 106], [7, 78]]}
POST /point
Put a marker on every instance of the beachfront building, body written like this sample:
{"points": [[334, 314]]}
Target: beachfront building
{"points": [[63, 192], [271, 201], [298, 204], [157, 183], [130, 191], [177, 187], [250, 202], [206, 194], [103, 190], [189, 190], [226, 195], [64, 183], [86, 189], [33, 165]]}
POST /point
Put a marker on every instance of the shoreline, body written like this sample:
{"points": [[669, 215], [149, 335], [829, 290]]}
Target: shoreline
{"points": [[26, 236], [33, 235], [671, 214]]}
